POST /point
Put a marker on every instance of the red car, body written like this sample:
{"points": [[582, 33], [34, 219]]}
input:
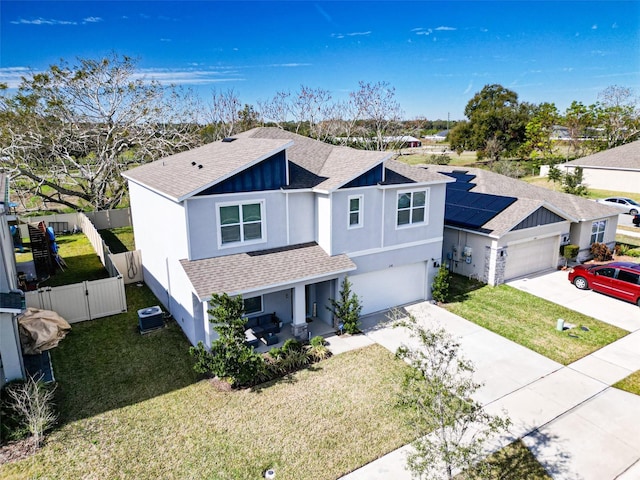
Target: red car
{"points": [[618, 279]]}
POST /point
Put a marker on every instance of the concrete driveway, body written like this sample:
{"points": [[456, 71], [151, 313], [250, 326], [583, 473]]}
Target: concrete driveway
{"points": [[574, 422], [556, 288]]}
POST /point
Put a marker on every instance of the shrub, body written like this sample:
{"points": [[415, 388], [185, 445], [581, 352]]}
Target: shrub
{"points": [[229, 356], [634, 252], [32, 401], [12, 425], [347, 308], [570, 252], [601, 252], [622, 249], [440, 286], [317, 349]]}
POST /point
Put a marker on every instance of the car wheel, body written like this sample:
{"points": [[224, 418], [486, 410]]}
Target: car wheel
{"points": [[581, 283], [633, 211]]}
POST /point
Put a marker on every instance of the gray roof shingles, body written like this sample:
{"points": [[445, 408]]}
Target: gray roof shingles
{"points": [[313, 164], [179, 176], [245, 272], [624, 157]]}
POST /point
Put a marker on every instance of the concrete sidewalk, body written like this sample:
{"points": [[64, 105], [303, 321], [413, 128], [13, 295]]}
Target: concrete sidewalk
{"points": [[576, 425]]}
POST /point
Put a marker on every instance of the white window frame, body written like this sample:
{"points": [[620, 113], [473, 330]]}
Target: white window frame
{"points": [[360, 211], [411, 224], [242, 241], [598, 232], [257, 312]]}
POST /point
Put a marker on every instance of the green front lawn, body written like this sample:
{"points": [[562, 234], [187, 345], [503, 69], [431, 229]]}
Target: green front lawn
{"points": [[530, 320], [131, 406], [631, 383]]}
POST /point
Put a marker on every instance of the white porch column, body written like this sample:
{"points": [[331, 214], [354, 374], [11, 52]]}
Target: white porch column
{"points": [[299, 324]]}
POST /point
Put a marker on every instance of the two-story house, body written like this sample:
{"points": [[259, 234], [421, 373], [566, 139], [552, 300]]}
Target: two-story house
{"points": [[281, 219]]}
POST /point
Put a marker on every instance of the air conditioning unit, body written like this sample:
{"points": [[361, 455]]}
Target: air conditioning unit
{"points": [[150, 318]]}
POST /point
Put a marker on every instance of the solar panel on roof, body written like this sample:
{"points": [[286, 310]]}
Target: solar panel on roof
{"points": [[470, 209]]}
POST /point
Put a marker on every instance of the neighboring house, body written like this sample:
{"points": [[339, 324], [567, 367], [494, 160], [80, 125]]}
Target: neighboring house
{"points": [[404, 141], [11, 363], [498, 228], [617, 169], [281, 219], [438, 137]]}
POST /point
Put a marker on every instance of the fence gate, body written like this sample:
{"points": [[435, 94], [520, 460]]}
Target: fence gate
{"points": [[81, 301]]}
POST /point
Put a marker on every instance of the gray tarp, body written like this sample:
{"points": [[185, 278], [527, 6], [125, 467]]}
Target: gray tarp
{"points": [[41, 330]]}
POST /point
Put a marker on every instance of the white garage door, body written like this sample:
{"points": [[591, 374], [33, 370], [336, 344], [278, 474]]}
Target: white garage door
{"points": [[530, 257], [388, 288]]}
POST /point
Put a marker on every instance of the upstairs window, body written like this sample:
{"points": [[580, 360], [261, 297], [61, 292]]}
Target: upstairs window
{"points": [[412, 208], [355, 211], [241, 222], [597, 231]]}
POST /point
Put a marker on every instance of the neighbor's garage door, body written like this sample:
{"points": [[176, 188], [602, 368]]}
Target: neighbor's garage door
{"points": [[393, 286], [530, 257]]}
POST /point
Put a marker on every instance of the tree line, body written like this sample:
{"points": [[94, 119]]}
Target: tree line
{"points": [[67, 134]]}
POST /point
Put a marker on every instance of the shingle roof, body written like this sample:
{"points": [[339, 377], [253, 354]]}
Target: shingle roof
{"points": [[529, 198], [625, 157], [179, 176], [330, 166], [246, 272]]}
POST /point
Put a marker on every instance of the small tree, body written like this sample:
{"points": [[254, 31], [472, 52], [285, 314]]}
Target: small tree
{"points": [[452, 427], [440, 285], [554, 175], [347, 309], [229, 356], [33, 401], [572, 183]]}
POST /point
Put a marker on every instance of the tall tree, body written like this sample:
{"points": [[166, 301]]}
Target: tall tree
{"points": [[376, 106], [619, 115], [71, 131], [497, 123], [580, 120], [223, 115], [539, 130]]}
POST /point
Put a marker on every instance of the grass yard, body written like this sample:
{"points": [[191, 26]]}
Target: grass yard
{"points": [[529, 320], [631, 383], [119, 240], [132, 407], [628, 240], [82, 261], [515, 462]]}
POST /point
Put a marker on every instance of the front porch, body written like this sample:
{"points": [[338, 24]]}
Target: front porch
{"points": [[315, 327], [295, 283]]}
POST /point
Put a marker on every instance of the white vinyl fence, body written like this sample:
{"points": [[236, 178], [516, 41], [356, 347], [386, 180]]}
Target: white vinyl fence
{"points": [[98, 298], [81, 301]]}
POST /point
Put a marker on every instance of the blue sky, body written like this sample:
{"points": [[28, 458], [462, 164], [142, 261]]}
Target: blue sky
{"points": [[436, 54]]}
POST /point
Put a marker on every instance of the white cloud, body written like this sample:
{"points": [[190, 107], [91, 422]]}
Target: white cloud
{"points": [[166, 40], [189, 76], [445, 29], [351, 34], [594, 27], [43, 21], [289, 65], [12, 76], [92, 20], [468, 89]]}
